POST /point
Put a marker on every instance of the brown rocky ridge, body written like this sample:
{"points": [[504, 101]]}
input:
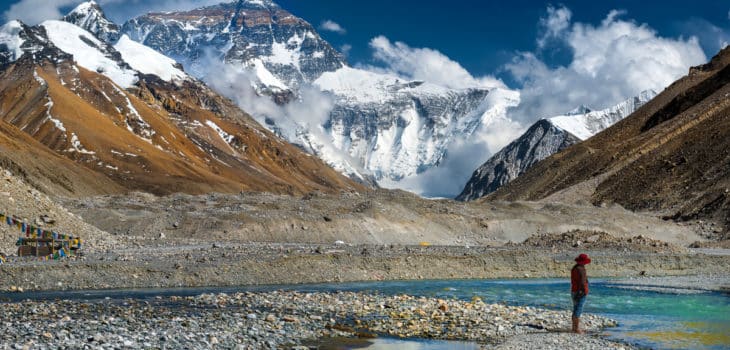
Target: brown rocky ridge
{"points": [[70, 131], [672, 157]]}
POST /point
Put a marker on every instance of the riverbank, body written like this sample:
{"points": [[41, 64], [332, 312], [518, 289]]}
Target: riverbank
{"points": [[218, 264], [276, 319]]}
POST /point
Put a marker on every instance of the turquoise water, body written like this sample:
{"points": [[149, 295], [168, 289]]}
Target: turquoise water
{"points": [[660, 320], [647, 318], [652, 319]]}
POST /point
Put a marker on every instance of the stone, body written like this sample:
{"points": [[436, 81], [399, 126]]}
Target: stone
{"points": [[289, 318]]}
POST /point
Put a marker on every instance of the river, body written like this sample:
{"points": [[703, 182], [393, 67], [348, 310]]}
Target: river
{"points": [[663, 319]]}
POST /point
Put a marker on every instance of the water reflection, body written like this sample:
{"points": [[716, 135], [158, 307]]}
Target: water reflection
{"points": [[394, 344]]}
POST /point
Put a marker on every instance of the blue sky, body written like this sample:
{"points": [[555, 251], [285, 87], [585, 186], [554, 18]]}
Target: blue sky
{"points": [[482, 36]]}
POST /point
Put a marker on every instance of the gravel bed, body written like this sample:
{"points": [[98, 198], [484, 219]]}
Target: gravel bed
{"points": [[559, 341], [279, 319]]}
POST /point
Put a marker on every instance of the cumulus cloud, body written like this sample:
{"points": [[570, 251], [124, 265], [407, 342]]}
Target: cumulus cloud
{"points": [[611, 61], [33, 12], [424, 64], [312, 108], [553, 26], [332, 26]]}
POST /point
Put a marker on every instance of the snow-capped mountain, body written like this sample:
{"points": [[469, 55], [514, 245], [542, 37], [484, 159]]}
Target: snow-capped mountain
{"points": [[378, 125], [282, 50], [126, 114], [584, 123], [543, 139], [90, 17]]}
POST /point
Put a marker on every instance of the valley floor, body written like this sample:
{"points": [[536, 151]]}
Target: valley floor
{"points": [[236, 240], [278, 318]]}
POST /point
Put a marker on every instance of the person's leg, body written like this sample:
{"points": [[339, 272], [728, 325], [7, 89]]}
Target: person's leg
{"points": [[577, 311], [574, 320]]}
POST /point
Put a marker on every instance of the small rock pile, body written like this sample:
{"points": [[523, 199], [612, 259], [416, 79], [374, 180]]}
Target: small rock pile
{"points": [[597, 240]]}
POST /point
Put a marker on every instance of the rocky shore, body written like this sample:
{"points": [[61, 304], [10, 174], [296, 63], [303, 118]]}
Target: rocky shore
{"points": [[271, 320]]}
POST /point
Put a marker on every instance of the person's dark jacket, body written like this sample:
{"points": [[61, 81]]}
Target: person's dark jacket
{"points": [[579, 279]]}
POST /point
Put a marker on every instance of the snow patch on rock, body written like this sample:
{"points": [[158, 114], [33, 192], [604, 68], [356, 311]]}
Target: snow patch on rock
{"points": [[148, 61]]}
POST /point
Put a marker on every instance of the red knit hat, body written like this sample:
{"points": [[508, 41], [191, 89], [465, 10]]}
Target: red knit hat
{"points": [[583, 259]]}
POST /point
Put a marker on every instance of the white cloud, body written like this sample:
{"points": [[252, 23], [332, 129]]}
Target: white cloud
{"points": [[557, 21], [235, 82], [424, 64], [332, 26], [345, 49], [610, 62], [33, 12]]}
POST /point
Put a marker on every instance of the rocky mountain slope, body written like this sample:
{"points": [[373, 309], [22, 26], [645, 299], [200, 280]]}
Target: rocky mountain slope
{"points": [[379, 125], [542, 139], [671, 156], [30, 205], [129, 118]]}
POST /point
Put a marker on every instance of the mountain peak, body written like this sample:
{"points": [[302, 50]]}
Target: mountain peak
{"points": [[90, 16], [257, 3], [544, 138], [582, 109], [646, 95], [585, 125]]}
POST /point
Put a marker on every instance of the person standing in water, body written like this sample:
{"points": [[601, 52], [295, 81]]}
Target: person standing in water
{"points": [[579, 288]]}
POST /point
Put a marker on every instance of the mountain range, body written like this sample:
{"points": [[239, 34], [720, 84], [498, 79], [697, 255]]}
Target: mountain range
{"points": [[89, 117], [90, 107], [369, 126], [544, 138]]}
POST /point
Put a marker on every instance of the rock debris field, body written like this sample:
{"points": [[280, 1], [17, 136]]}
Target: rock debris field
{"points": [[278, 319]]}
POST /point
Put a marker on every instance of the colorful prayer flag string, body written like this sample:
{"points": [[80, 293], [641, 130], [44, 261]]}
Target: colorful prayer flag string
{"points": [[33, 232]]}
